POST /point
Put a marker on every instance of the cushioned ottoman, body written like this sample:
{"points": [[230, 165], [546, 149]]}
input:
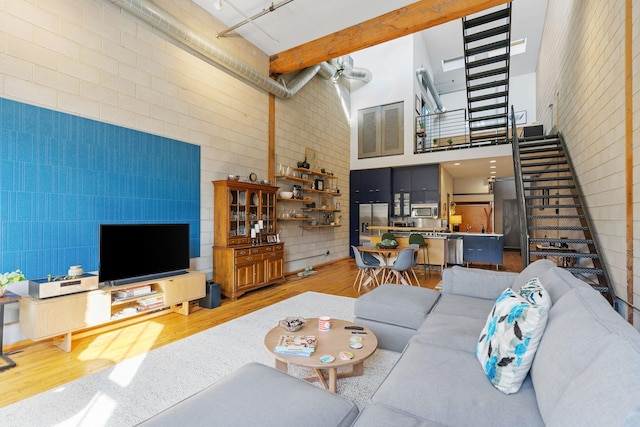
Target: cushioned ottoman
{"points": [[394, 312], [257, 395]]}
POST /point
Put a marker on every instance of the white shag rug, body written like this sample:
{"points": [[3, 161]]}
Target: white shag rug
{"points": [[136, 389]]}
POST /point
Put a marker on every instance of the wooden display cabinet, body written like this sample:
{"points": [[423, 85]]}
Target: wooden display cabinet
{"points": [[61, 316], [242, 262]]}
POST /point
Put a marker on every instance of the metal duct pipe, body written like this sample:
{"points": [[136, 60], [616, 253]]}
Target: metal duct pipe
{"points": [[344, 65], [162, 21], [427, 83]]}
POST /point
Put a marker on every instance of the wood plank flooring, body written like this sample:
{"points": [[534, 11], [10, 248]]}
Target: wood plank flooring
{"points": [[42, 366]]}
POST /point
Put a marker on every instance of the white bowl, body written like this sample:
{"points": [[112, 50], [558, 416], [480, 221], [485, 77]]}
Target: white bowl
{"points": [[286, 194]]}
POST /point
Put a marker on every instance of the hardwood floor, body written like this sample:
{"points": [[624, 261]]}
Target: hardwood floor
{"points": [[43, 366]]}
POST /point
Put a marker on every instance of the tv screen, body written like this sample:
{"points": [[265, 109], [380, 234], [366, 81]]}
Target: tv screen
{"points": [[132, 252]]}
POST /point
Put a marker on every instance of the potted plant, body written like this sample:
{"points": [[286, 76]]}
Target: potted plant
{"points": [[8, 278], [450, 142]]}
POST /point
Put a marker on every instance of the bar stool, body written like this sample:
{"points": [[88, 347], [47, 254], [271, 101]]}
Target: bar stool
{"points": [[417, 239]]}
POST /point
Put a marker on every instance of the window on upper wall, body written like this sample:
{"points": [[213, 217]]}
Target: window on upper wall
{"points": [[381, 131]]}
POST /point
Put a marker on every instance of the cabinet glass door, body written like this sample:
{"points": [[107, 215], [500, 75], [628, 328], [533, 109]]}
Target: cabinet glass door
{"points": [[268, 213], [238, 212]]}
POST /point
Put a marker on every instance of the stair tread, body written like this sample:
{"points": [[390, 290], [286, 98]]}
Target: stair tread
{"points": [[488, 117], [489, 61], [552, 240], [559, 227], [485, 34], [550, 178], [586, 270], [488, 96], [488, 85], [559, 253], [487, 73], [555, 170], [543, 156], [552, 187], [500, 44], [485, 19], [487, 127], [487, 107]]}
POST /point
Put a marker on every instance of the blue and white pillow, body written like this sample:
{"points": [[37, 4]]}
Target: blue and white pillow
{"points": [[510, 338]]}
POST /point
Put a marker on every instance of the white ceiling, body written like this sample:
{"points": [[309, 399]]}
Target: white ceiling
{"points": [[300, 21]]}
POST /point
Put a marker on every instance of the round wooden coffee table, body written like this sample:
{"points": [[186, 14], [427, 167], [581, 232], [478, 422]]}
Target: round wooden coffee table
{"points": [[330, 342]]}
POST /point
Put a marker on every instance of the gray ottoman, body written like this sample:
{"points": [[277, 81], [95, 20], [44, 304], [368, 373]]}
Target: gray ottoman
{"points": [[394, 312], [257, 395]]}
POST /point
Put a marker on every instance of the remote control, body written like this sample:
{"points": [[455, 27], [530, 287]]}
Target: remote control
{"points": [[355, 328]]}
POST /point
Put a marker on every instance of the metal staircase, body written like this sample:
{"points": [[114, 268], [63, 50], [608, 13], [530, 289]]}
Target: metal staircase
{"points": [[487, 46], [554, 223]]}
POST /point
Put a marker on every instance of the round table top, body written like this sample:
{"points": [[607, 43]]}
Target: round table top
{"points": [[331, 342]]}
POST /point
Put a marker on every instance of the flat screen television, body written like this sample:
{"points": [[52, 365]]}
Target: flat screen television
{"points": [[135, 252]]}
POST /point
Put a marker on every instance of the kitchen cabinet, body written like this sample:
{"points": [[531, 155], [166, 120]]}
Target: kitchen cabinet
{"points": [[425, 184], [485, 248], [371, 185], [401, 204], [246, 254]]}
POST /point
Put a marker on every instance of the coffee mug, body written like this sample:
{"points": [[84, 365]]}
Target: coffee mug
{"points": [[324, 323]]}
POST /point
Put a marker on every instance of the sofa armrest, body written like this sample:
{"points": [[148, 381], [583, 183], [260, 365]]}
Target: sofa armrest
{"points": [[476, 283]]}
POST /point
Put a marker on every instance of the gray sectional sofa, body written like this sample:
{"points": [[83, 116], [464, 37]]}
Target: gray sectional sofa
{"points": [[586, 371]]}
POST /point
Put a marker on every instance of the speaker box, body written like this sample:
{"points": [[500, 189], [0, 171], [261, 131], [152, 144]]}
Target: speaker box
{"points": [[212, 299]]}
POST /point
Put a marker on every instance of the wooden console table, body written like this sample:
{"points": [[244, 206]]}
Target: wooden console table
{"points": [[8, 298], [63, 315]]}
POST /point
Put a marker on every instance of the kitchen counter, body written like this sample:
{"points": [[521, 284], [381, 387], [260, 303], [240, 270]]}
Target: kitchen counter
{"points": [[461, 233], [407, 229]]}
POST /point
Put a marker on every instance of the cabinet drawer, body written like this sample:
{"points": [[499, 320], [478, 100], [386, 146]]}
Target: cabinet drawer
{"points": [[273, 255], [248, 259]]}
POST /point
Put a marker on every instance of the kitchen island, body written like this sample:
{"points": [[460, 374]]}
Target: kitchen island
{"points": [[472, 247]]}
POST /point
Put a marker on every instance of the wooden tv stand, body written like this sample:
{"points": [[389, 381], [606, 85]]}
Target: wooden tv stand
{"points": [[63, 315]]}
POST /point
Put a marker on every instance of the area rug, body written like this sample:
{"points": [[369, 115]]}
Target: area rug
{"points": [[138, 388]]}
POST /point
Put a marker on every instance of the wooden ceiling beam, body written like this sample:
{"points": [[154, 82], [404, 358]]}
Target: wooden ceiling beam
{"points": [[407, 20]]}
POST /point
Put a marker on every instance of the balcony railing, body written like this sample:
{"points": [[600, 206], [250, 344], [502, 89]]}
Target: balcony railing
{"points": [[447, 131]]}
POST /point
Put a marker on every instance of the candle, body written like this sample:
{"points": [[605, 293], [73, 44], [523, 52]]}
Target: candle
{"points": [[257, 228], [253, 233]]}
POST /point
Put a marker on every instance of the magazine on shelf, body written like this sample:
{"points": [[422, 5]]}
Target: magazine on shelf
{"points": [[302, 345]]}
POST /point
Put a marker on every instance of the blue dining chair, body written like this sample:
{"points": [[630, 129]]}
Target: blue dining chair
{"points": [[366, 272], [400, 269]]}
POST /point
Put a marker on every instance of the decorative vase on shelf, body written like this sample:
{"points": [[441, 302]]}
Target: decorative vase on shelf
{"points": [[305, 164]]}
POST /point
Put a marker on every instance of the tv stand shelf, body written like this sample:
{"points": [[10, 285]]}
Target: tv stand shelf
{"points": [[61, 316]]}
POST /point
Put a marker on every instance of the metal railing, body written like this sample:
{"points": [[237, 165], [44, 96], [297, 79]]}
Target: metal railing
{"points": [[522, 206], [447, 131]]}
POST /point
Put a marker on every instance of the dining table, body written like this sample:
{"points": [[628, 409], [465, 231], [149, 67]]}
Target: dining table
{"points": [[386, 255]]}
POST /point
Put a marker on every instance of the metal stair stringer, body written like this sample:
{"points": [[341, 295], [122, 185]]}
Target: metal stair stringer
{"points": [[554, 220]]}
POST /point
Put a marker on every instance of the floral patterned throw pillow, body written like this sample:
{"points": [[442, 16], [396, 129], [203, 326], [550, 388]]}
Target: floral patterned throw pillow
{"points": [[510, 338]]}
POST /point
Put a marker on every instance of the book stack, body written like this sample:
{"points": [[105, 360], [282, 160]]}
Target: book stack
{"points": [[296, 345], [150, 303], [133, 292]]}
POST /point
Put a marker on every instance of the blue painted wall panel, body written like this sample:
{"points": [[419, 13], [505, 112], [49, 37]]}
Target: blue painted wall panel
{"points": [[62, 176]]}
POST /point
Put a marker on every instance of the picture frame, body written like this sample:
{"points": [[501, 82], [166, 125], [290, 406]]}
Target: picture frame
{"points": [[521, 117], [319, 185], [418, 105], [271, 238]]}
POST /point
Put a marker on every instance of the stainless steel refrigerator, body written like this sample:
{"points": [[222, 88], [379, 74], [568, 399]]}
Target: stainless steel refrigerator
{"points": [[372, 214]]}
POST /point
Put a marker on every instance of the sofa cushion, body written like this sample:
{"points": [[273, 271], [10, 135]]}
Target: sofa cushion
{"points": [[535, 269], [474, 282], [559, 281], [376, 415], [447, 386], [587, 367], [405, 306], [465, 306], [450, 330], [511, 335], [257, 395]]}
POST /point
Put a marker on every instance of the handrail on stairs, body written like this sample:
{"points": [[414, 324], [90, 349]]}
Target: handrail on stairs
{"points": [[522, 207]]}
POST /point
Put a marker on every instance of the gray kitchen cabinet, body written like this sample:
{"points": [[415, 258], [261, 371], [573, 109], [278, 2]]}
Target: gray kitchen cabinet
{"points": [[486, 248]]}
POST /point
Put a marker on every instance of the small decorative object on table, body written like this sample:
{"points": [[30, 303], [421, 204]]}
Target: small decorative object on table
{"points": [[387, 244], [293, 324], [8, 278]]}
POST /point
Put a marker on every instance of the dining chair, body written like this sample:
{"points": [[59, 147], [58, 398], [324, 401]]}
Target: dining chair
{"points": [[400, 269], [416, 238], [366, 272], [388, 236], [370, 258]]}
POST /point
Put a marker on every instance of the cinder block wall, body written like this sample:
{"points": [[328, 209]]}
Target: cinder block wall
{"points": [[91, 59], [580, 90]]}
